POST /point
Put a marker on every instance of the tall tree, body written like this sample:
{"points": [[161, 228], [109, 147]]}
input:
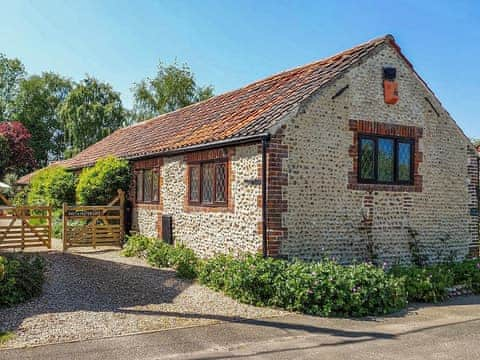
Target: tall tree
{"points": [[173, 87], [37, 105], [91, 111], [12, 72], [15, 140]]}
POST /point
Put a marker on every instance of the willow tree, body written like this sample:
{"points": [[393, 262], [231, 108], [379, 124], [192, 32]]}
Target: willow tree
{"points": [[173, 87], [90, 112]]}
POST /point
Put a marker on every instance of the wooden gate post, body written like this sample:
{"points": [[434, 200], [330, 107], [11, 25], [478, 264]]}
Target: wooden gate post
{"points": [[23, 228], [64, 217], [49, 214], [121, 196]]}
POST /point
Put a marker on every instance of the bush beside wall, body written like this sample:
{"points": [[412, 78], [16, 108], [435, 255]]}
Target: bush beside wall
{"points": [[99, 183], [323, 288]]}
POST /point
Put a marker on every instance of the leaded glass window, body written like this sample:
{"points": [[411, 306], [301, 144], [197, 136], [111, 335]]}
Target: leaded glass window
{"points": [[195, 183], [220, 183], [139, 183], [367, 159], [404, 161], [147, 185], [147, 182], [385, 160], [208, 183]]}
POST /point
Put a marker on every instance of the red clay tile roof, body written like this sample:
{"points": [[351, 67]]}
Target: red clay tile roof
{"points": [[251, 110], [25, 180]]}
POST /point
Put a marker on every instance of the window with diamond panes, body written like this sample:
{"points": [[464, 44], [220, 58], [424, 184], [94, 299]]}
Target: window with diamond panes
{"points": [[194, 184], [367, 159], [404, 161], [208, 183], [148, 185], [139, 186], [220, 183], [385, 160]]}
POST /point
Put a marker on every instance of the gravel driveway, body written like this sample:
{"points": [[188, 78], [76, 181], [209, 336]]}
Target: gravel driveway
{"points": [[101, 294]]}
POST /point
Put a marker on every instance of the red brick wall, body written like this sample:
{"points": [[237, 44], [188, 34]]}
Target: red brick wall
{"points": [[277, 180]]}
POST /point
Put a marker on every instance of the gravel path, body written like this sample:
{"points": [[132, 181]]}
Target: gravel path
{"points": [[101, 294]]}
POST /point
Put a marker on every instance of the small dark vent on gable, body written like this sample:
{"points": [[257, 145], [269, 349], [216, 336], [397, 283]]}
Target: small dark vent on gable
{"points": [[433, 107]]}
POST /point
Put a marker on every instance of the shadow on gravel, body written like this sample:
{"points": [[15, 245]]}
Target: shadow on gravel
{"points": [[79, 283]]}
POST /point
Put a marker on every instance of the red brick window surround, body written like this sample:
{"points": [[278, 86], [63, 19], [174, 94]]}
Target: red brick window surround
{"points": [[386, 157]]}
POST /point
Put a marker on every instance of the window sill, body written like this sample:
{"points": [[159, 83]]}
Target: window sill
{"points": [[385, 187], [208, 207]]}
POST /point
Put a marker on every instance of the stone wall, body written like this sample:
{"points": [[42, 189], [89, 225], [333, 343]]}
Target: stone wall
{"points": [[324, 217], [209, 230]]}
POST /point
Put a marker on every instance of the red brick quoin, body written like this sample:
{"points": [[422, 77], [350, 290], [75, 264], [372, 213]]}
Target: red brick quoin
{"points": [[378, 128], [277, 179]]}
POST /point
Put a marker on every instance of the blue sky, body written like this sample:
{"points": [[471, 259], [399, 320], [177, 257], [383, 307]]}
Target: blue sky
{"points": [[231, 43]]}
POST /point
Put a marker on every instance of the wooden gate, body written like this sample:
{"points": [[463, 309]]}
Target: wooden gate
{"points": [[25, 226], [94, 225]]}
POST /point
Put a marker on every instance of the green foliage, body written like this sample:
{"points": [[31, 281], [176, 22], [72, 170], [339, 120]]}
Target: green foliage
{"points": [[53, 185], [172, 88], [12, 72], [426, 284], [476, 142], [90, 112], [20, 198], [99, 184], [467, 273], [163, 255], [22, 279], [323, 288], [137, 245], [37, 106], [6, 336]]}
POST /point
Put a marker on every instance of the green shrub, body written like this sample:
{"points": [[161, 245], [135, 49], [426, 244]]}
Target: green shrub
{"points": [[426, 284], [53, 185], [99, 184], [467, 273], [22, 279], [137, 245], [323, 288], [181, 258], [163, 255]]}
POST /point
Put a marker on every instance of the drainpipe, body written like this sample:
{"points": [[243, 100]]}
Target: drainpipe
{"points": [[264, 195]]}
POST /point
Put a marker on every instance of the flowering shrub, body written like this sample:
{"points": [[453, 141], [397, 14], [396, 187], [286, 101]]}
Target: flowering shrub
{"points": [[431, 283], [426, 284], [321, 288]]}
